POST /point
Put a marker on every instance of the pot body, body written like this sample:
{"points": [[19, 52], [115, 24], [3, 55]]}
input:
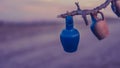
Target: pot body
{"points": [[69, 36], [100, 29], [70, 40]]}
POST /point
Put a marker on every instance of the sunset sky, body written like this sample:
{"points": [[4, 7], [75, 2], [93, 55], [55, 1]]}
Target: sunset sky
{"points": [[31, 10]]}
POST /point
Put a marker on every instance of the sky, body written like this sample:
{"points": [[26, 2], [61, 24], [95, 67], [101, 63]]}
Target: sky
{"points": [[36, 10]]}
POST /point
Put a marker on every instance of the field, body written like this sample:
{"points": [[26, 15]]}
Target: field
{"points": [[38, 46]]}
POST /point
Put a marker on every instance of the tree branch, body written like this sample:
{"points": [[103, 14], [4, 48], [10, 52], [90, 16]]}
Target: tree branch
{"points": [[85, 12]]}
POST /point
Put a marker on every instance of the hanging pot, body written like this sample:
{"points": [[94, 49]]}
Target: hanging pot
{"points": [[115, 5], [99, 26], [70, 36]]}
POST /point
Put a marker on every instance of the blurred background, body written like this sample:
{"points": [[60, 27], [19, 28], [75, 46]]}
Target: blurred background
{"points": [[30, 29]]}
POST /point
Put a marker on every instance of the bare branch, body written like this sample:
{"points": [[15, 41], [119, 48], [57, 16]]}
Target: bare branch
{"points": [[86, 12]]}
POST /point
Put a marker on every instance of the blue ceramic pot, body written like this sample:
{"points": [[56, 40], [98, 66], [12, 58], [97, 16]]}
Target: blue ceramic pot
{"points": [[69, 37]]}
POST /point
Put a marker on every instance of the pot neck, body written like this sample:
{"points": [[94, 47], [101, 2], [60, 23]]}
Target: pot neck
{"points": [[69, 22]]}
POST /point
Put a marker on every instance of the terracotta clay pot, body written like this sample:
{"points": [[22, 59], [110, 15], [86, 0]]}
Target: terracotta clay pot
{"points": [[99, 27]]}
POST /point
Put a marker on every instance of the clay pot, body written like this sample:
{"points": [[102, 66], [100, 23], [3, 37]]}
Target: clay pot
{"points": [[99, 26]]}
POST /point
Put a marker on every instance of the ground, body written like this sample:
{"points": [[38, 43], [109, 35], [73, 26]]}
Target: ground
{"points": [[40, 47]]}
